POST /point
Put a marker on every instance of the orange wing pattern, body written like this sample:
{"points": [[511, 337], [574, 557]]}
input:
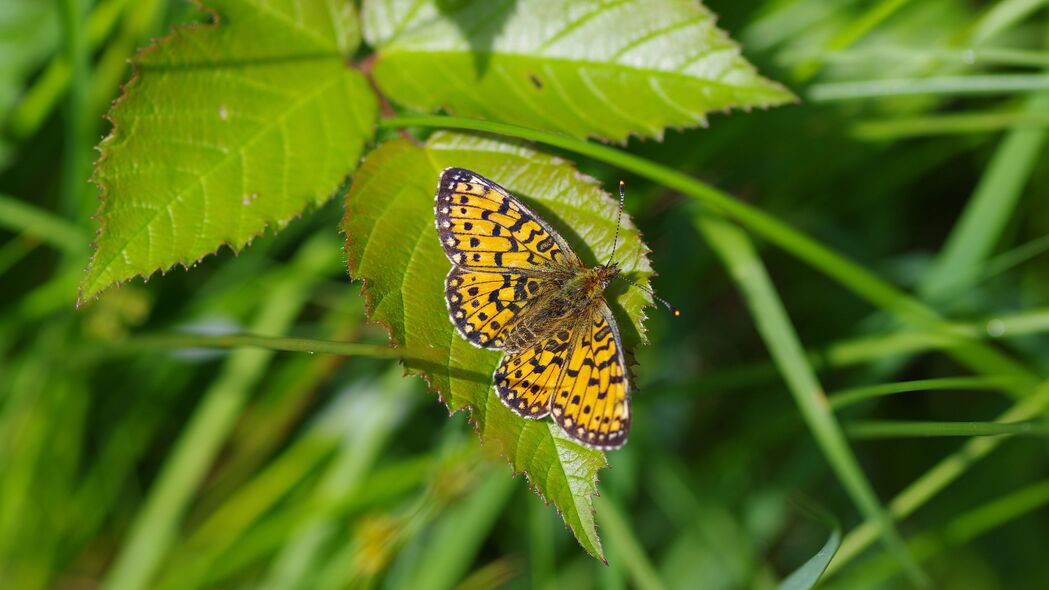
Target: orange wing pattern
{"points": [[524, 380], [592, 401], [507, 270], [484, 227], [484, 306]]}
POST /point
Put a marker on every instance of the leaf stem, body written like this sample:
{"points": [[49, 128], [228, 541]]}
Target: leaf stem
{"points": [[273, 343]]}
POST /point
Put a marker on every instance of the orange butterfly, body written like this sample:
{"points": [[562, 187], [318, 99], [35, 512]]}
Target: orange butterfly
{"points": [[516, 286]]}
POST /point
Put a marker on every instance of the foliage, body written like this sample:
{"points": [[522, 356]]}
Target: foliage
{"points": [[859, 274], [390, 243], [598, 70], [211, 113]]}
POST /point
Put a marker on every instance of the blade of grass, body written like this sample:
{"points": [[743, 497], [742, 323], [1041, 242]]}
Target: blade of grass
{"points": [[156, 525], [77, 136], [384, 403], [968, 56], [848, 397], [976, 85], [1003, 16], [460, 533], [625, 546], [871, 429], [810, 572], [960, 531], [21, 217], [987, 213], [940, 476], [954, 123], [736, 251], [15, 250], [847, 36], [148, 342], [541, 523], [40, 99], [1022, 323]]}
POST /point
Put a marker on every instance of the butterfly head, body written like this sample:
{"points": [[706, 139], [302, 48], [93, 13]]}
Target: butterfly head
{"points": [[605, 273]]}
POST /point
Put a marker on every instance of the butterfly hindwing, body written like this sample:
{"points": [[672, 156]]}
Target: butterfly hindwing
{"points": [[481, 225], [525, 380], [592, 400], [485, 306]]}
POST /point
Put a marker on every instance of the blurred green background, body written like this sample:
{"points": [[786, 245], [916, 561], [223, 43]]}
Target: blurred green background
{"points": [[917, 150]]}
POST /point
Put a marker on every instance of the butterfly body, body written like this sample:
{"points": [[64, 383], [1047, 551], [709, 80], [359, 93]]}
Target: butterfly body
{"points": [[517, 286]]}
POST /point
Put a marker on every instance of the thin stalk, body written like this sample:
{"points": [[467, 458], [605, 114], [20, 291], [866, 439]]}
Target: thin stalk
{"points": [[852, 33], [988, 211], [19, 216], [965, 56], [872, 429], [978, 85], [75, 163], [848, 397], [949, 124], [622, 541], [944, 473], [150, 342], [958, 533]]}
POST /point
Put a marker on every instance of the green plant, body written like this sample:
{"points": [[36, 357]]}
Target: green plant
{"points": [[153, 457]]}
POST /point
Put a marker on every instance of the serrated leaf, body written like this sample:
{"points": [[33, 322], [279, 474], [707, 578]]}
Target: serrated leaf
{"points": [[227, 129], [588, 69], [393, 246]]}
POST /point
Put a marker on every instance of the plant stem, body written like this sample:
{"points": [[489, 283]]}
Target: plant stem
{"points": [[868, 429], [274, 343]]}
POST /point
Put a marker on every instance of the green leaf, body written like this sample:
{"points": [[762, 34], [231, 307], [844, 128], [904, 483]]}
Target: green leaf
{"points": [[392, 245], [588, 69], [227, 129], [810, 572]]}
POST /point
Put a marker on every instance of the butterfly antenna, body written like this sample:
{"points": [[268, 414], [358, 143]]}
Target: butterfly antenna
{"points": [[619, 218], [666, 304]]}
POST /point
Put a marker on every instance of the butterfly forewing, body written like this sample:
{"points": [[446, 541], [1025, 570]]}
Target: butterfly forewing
{"points": [[483, 226]]}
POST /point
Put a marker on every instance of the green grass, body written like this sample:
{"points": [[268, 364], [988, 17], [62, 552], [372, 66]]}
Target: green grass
{"points": [[863, 335]]}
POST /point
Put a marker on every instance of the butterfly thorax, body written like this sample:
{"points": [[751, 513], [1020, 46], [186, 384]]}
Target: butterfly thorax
{"points": [[571, 292], [587, 285]]}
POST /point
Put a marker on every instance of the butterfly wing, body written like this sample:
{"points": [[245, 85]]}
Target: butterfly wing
{"points": [[526, 379], [592, 398], [486, 306], [483, 227]]}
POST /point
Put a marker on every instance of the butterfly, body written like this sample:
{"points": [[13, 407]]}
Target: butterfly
{"points": [[516, 286]]}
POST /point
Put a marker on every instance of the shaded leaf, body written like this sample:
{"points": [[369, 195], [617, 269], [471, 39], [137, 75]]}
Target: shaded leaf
{"points": [[219, 135], [588, 69], [810, 572], [393, 246]]}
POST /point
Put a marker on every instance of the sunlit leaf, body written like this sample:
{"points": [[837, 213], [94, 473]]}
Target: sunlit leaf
{"points": [[589, 69], [227, 129], [393, 246]]}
